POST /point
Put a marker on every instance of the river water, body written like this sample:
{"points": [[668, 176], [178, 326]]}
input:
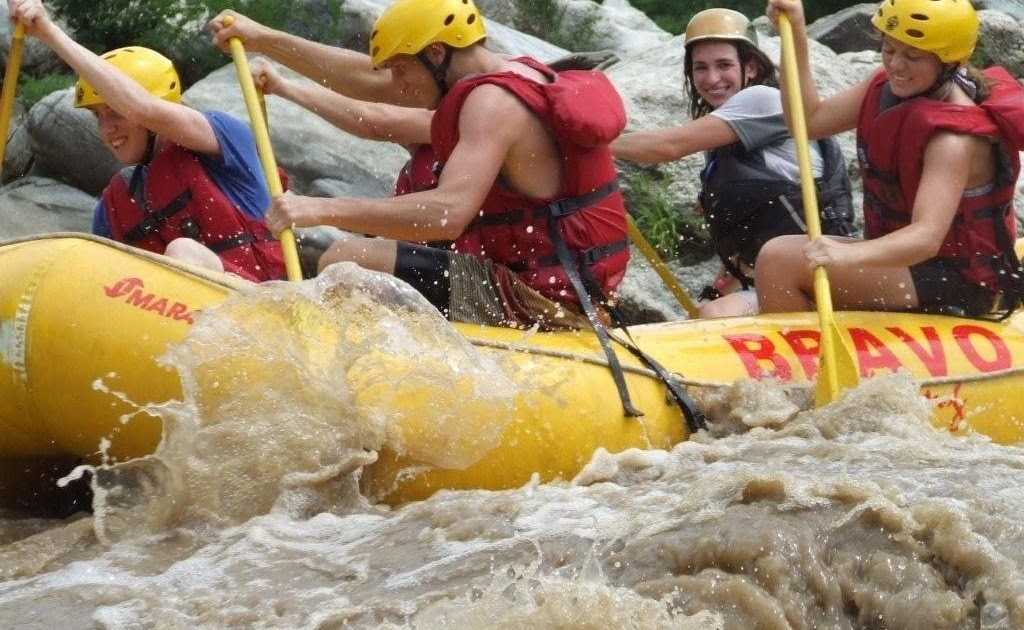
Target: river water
{"points": [[856, 515]]}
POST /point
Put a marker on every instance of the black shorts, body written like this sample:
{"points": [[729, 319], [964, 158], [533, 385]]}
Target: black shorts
{"points": [[940, 289], [426, 269]]}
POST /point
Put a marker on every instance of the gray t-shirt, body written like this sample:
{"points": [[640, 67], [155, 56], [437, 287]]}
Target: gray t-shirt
{"points": [[755, 114]]}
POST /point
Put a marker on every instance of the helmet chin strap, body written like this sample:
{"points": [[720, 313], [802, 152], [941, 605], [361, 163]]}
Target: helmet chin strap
{"points": [[439, 71], [147, 155]]}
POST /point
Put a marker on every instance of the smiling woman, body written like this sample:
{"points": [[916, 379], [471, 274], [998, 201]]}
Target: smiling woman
{"points": [[750, 183], [938, 143]]}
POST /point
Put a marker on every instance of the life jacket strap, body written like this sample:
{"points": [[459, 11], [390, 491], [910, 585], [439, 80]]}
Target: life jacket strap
{"points": [[585, 258], [156, 219], [556, 209]]}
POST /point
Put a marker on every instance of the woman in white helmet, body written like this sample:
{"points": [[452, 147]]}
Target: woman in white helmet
{"points": [[938, 146], [751, 180], [193, 187]]}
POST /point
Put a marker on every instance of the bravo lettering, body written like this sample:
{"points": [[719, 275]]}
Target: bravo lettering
{"points": [[133, 292], [777, 355]]}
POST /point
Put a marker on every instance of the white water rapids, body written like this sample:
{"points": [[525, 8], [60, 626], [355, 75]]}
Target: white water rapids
{"points": [[859, 515]]}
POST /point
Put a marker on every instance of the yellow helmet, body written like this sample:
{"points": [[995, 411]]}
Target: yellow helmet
{"points": [[408, 26], [947, 28], [147, 67], [719, 24]]}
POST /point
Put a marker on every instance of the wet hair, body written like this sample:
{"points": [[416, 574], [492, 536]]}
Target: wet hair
{"points": [[767, 72], [970, 79]]}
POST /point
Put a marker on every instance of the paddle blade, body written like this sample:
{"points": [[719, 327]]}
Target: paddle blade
{"points": [[841, 374]]}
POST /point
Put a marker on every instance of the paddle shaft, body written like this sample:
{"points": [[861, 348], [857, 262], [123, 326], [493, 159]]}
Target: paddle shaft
{"points": [[10, 85], [828, 378], [638, 239], [262, 135]]}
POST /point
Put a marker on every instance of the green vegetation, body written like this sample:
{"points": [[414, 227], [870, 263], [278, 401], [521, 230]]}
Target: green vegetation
{"points": [[177, 28], [672, 15], [675, 232], [32, 89], [546, 20]]}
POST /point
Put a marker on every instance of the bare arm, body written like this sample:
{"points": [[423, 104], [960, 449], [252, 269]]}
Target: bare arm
{"points": [[943, 181], [344, 71], [405, 126], [823, 118], [656, 146], [177, 123], [441, 213]]}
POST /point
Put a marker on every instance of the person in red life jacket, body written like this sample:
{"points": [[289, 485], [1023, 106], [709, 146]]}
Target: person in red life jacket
{"points": [[938, 145], [750, 189], [367, 120], [193, 186], [532, 204]]}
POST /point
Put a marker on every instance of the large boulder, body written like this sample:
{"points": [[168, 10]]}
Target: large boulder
{"points": [[309, 148], [34, 205], [1001, 42], [849, 30]]}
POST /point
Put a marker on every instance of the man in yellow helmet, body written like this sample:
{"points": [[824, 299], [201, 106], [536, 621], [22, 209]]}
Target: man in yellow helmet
{"points": [[938, 145], [192, 187], [527, 186]]}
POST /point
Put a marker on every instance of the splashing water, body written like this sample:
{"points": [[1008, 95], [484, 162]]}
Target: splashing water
{"points": [[856, 515]]}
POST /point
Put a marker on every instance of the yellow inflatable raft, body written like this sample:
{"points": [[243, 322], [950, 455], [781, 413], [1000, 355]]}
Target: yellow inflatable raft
{"points": [[76, 308]]}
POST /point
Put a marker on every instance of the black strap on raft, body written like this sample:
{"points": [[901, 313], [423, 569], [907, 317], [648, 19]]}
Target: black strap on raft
{"points": [[586, 286], [572, 271], [695, 420]]}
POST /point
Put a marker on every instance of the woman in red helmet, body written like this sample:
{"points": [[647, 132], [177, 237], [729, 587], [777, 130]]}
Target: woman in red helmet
{"points": [[938, 145], [193, 187]]}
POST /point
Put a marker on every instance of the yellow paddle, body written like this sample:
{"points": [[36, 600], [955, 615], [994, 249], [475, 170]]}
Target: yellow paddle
{"points": [[838, 369], [260, 130], [661, 269], [10, 84]]}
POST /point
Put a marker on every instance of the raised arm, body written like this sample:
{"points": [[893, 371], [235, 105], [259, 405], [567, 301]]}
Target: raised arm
{"points": [[177, 123], [406, 126], [344, 71], [823, 118]]}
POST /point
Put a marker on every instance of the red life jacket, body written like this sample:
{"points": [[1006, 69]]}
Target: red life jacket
{"points": [[891, 139], [584, 113], [179, 199], [420, 172]]}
